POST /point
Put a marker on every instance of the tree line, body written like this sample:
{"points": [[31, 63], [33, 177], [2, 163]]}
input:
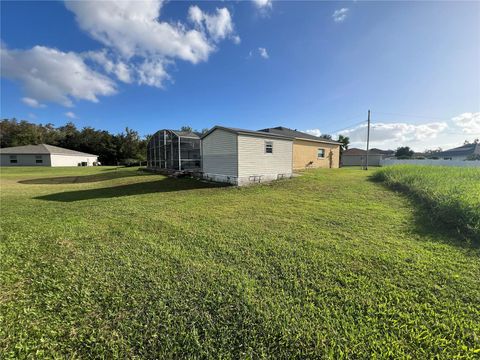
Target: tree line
{"points": [[126, 148]]}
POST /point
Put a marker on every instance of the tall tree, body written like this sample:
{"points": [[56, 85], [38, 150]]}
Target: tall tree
{"points": [[345, 141], [404, 151], [186, 128]]}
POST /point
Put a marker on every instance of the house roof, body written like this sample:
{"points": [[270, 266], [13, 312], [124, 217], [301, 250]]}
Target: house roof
{"points": [[248, 132], [356, 151], [380, 151], [464, 150], [41, 149], [280, 130]]}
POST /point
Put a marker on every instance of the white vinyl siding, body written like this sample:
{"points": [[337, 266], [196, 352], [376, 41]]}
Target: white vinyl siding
{"points": [[219, 153], [253, 160]]}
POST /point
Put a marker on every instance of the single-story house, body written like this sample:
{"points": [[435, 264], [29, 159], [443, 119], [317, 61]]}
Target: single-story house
{"points": [[386, 153], [310, 151], [358, 157], [463, 152], [44, 155], [241, 157], [174, 150]]}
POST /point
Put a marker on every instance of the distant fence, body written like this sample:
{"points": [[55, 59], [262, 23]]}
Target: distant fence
{"points": [[473, 163]]}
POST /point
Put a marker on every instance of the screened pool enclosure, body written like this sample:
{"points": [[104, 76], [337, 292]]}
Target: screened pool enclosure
{"points": [[174, 150]]}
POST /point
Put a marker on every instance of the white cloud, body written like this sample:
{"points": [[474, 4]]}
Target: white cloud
{"points": [[71, 115], [262, 4], [152, 73], [315, 132], [468, 122], [141, 45], [218, 26], [120, 69], [138, 48], [263, 52], [51, 75], [132, 28], [395, 133], [340, 15], [32, 116], [32, 102]]}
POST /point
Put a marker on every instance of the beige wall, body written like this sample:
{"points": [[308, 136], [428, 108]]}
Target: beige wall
{"points": [[305, 155]]}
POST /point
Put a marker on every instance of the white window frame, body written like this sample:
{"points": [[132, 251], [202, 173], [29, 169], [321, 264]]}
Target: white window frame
{"points": [[269, 144], [13, 159], [38, 159], [318, 153]]}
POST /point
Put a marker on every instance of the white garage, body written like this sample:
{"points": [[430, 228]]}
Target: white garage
{"points": [[45, 155], [242, 157]]}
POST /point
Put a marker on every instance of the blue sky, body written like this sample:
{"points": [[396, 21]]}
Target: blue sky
{"points": [[316, 66]]}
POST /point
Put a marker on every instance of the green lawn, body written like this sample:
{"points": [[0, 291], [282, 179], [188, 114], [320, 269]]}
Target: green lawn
{"points": [[99, 262]]}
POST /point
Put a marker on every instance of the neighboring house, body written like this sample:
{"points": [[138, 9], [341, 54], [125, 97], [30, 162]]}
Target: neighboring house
{"points": [[358, 157], [310, 151], [44, 155], [242, 157], [385, 153], [463, 152], [174, 150]]}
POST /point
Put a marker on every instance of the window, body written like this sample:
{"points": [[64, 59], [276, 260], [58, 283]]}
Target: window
{"points": [[13, 159], [321, 153], [268, 147], [38, 159]]}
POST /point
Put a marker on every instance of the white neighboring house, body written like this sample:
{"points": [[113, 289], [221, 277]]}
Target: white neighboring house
{"points": [[242, 157], [45, 155]]}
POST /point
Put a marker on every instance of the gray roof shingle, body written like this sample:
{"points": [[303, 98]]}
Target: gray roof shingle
{"points": [[41, 149], [280, 130], [464, 150], [248, 132]]}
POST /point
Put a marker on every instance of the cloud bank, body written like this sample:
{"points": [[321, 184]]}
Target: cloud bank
{"points": [[138, 48], [431, 135], [52, 75]]}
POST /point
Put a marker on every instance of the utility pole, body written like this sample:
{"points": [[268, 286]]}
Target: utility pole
{"points": [[368, 139]]}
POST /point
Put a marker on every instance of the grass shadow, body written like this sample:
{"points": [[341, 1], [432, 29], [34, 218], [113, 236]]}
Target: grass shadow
{"points": [[427, 225], [158, 186], [110, 175]]}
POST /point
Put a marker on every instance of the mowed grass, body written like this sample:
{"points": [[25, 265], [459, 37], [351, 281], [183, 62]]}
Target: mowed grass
{"points": [[121, 264], [451, 194]]}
